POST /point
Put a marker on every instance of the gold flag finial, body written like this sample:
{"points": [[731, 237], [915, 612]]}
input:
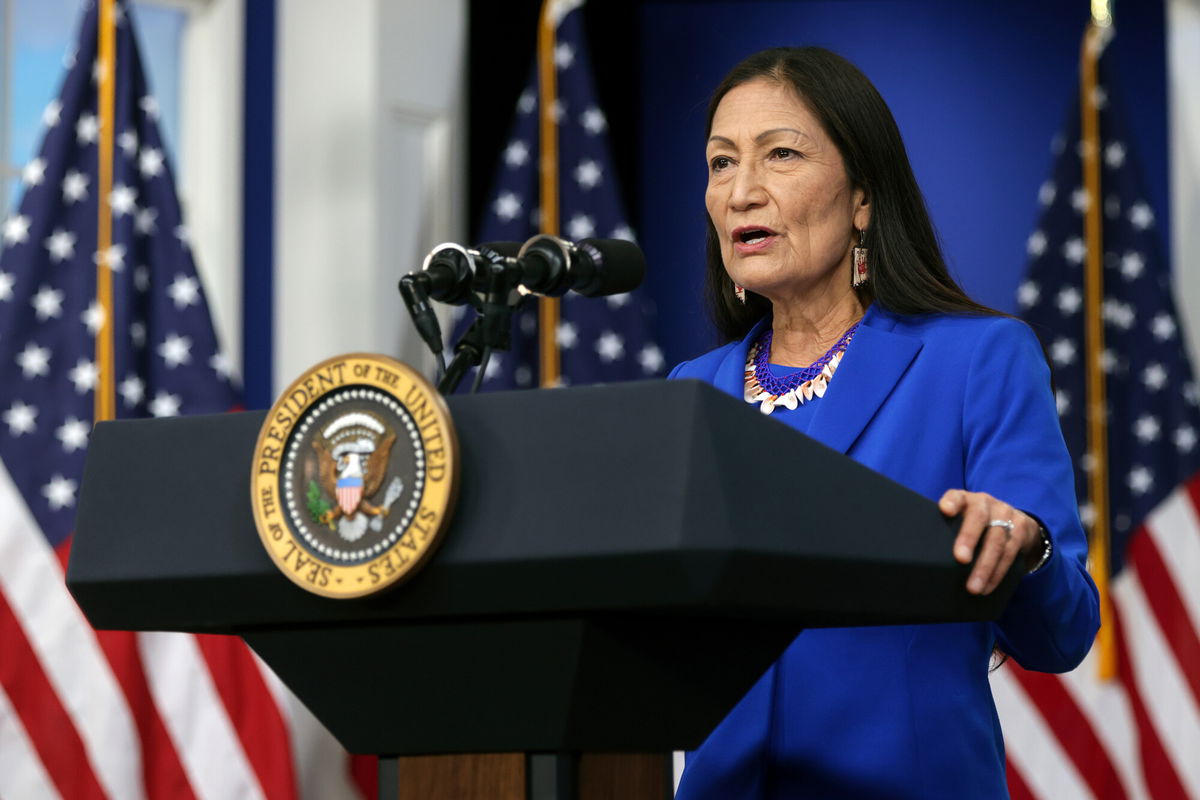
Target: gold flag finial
{"points": [[1102, 13]]}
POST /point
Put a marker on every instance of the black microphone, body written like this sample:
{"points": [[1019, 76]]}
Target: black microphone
{"points": [[448, 275], [592, 267], [424, 318], [450, 270]]}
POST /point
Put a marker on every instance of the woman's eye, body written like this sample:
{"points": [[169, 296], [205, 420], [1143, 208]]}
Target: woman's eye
{"points": [[719, 163], [782, 153]]}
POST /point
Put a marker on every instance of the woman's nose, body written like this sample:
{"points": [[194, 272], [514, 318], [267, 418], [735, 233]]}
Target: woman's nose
{"points": [[747, 190]]}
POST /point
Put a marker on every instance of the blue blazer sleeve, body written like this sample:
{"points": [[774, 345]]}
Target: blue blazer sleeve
{"points": [[1014, 450]]}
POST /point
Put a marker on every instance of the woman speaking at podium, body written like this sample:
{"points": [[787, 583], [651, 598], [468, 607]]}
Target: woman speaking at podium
{"points": [[825, 276]]}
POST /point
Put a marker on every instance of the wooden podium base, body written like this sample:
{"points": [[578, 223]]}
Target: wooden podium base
{"points": [[515, 776]]}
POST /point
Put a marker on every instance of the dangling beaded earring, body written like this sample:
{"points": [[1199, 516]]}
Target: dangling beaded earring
{"points": [[739, 293], [858, 269]]}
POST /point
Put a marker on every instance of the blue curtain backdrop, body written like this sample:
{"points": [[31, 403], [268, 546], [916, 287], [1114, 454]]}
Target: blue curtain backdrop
{"points": [[978, 90]]}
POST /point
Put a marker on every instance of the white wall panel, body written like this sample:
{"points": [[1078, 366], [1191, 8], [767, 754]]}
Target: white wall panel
{"points": [[210, 184], [1183, 43], [369, 144], [326, 258]]}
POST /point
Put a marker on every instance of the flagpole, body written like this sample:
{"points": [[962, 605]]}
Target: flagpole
{"points": [[548, 307], [105, 398], [1097, 405]]}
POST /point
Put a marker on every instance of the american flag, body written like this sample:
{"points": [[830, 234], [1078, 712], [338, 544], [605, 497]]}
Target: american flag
{"points": [[602, 339], [86, 713], [1138, 735]]}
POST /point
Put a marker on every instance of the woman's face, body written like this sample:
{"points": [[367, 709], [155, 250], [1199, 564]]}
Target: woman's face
{"points": [[778, 195]]}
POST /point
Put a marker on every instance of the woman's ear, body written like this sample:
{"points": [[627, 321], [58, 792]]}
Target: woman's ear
{"points": [[862, 209]]}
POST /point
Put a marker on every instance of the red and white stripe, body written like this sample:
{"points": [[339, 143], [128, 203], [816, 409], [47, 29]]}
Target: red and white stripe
{"points": [[109, 714], [1137, 736], [348, 498]]}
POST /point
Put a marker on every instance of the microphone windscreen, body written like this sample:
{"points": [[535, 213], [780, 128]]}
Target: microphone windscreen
{"points": [[619, 267]]}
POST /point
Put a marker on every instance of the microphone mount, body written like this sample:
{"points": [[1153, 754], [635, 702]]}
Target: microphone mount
{"points": [[492, 329]]}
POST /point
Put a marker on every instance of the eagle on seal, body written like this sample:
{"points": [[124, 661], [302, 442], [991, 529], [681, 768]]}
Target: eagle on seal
{"points": [[352, 460]]}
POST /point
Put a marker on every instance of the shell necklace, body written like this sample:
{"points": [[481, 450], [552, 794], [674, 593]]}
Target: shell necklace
{"points": [[797, 388]]}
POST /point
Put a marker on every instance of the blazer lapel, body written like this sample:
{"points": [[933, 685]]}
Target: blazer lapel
{"points": [[731, 373], [873, 364]]}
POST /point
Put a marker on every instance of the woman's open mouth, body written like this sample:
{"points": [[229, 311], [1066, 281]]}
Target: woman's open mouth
{"points": [[752, 238]]}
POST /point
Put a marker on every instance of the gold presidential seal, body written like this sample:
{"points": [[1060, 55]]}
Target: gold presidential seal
{"points": [[355, 475]]}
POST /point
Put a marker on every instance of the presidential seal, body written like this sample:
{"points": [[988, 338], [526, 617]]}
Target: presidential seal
{"points": [[355, 475]]}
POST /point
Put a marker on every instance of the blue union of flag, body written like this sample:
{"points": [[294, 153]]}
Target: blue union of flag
{"points": [[599, 340]]}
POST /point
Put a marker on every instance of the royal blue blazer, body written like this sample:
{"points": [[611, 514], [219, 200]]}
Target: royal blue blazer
{"points": [[934, 402]]}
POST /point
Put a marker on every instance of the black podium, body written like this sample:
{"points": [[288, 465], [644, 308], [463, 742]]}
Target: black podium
{"points": [[623, 563]]}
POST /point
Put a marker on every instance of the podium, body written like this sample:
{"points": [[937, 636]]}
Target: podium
{"points": [[622, 564]]}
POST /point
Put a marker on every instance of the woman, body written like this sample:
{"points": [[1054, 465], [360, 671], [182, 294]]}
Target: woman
{"points": [[825, 274]]}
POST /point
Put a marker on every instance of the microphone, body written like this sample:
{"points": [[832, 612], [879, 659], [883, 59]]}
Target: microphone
{"points": [[592, 267], [447, 275], [545, 265], [449, 271]]}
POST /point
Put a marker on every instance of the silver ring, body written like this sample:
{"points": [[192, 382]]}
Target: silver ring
{"points": [[1007, 524]]}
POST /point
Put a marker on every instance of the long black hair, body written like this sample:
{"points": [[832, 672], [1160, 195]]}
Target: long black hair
{"points": [[908, 271]]}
